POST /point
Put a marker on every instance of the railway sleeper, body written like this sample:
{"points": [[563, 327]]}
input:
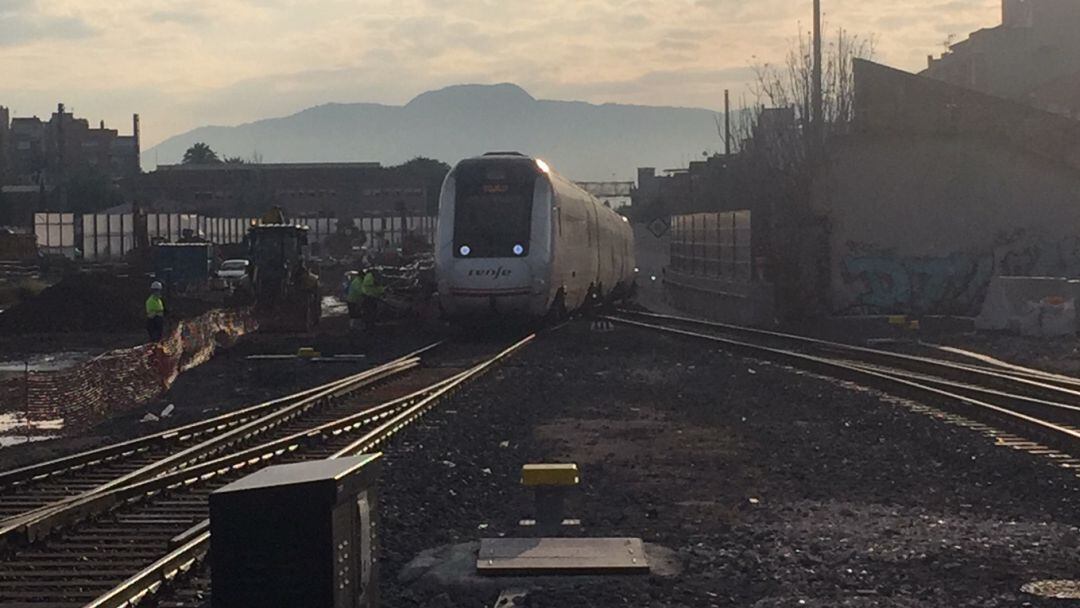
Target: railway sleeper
{"points": [[40, 605], [84, 583], [63, 574], [80, 598], [64, 559]]}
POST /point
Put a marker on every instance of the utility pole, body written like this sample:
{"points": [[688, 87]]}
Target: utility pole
{"points": [[727, 148], [727, 123], [61, 159], [817, 119]]}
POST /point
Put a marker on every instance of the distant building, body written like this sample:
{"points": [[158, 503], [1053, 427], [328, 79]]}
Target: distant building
{"points": [[719, 182], [1060, 96], [699, 187], [19, 203], [1032, 57], [302, 189], [32, 150], [27, 150]]}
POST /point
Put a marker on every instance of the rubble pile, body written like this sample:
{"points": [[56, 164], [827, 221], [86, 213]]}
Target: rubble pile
{"points": [[410, 289]]}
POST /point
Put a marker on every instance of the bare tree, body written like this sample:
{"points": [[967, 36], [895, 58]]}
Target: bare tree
{"points": [[776, 175], [778, 123]]}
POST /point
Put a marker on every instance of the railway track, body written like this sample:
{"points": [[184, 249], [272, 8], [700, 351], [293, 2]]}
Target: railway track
{"points": [[1034, 379], [115, 546], [29, 490], [1030, 403]]}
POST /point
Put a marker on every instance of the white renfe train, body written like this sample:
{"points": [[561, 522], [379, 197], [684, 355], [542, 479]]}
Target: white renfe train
{"points": [[516, 239]]}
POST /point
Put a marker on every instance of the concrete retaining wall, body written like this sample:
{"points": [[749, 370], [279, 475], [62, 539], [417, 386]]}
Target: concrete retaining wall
{"points": [[921, 226], [724, 301], [941, 189]]}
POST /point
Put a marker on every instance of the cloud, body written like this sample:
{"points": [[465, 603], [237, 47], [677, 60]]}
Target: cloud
{"points": [[184, 63], [180, 17], [16, 7], [23, 22]]}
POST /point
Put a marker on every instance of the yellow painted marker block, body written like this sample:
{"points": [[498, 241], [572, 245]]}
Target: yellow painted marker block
{"points": [[534, 475], [900, 320], [308, 353]]}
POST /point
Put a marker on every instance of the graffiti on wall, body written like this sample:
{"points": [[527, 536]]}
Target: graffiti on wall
{"points": [[878, 281], [884, 284]]}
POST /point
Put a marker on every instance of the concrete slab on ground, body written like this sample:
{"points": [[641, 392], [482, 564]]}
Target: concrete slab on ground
{"points": [[537, 556], [455, 567]]}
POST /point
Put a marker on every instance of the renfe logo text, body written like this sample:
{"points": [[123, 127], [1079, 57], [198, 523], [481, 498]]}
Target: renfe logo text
{"points": [[495, 273]]}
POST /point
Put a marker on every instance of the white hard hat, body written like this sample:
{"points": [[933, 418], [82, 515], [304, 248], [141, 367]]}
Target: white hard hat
{"points": [[156, 286]]}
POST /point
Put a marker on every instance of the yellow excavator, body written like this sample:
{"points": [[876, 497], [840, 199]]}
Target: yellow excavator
{"points": [[284, 285]]}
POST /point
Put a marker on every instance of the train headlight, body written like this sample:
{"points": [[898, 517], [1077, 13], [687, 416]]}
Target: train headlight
{"points": [[465, 250], [519, 250]]}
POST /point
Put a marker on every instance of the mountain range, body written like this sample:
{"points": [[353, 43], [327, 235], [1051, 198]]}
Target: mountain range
{"points": [[581, 140]]}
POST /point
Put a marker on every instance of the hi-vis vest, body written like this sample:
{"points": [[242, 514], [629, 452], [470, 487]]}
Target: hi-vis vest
{"points": [[155, 306]]}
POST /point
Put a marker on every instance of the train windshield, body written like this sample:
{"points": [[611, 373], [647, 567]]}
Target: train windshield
{"points": [[493, 210]]}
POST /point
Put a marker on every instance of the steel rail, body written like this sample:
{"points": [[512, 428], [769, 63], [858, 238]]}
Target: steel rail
{"points": [[43, 522], [11, 529], [902, 379], [1059, 387], [195, 542], [20, 476], [988, 362], [214, 473], [241, 434], [52, 468], [1066, 437], [1064, 409]]}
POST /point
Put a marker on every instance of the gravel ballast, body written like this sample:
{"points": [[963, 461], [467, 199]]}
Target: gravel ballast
{"points": [[774, 488]]}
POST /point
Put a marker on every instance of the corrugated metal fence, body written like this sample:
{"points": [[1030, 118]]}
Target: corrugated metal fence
{"points": [[55, 233], [713, 245], [391, 230], [219, 230], [102, 237]]}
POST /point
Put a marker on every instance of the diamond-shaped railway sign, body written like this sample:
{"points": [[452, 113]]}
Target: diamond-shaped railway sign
{"points": [[659, 227]]}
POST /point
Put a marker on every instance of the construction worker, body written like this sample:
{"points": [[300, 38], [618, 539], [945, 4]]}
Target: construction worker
{"points": [[155, 313], [353, 295], [372, 292], [365, 291]]}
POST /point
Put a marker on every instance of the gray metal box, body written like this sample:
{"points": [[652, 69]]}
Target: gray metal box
{"points": [[297, 536]]}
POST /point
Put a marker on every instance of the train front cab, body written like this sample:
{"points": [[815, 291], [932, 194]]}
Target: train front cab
{"points": [[494, 239]]}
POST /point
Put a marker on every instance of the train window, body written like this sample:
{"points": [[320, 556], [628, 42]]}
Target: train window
{"points": [[493, 209]]}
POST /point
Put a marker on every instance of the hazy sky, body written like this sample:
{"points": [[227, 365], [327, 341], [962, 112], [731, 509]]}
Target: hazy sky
{"points": [[185, 63]]}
